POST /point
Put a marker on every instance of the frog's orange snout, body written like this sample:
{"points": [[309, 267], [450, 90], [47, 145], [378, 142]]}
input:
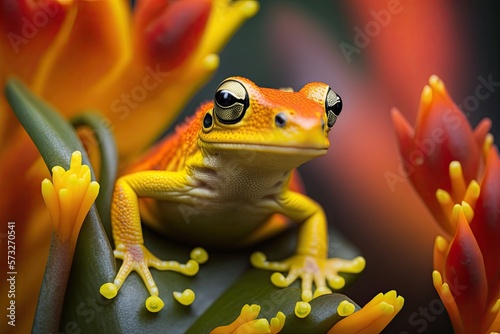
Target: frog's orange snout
{"points": [[301, 130]]}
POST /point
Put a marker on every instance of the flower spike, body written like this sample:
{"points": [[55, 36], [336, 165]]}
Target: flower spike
{"points": [[69, 197], [247, 323], [442, 135], [372, 318]]}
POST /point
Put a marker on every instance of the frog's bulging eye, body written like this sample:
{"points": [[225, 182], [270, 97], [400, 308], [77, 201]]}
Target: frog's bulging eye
{"points": [[333, 107], [230, 102]]}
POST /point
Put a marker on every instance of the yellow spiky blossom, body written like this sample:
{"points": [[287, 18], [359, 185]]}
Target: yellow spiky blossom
{"points": [[136, 66], [247, 323], [456, 171], [372, 318], [68, 198]]}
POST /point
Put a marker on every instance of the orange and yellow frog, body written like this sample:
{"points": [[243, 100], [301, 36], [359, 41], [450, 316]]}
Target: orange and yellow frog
{"points": [[228, 176]]}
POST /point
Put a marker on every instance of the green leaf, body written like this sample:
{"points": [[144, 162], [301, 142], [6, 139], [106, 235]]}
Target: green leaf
{"points": [[109, 163], [56, 140], [53, 136], [254, 287], [88, 311], [222, 286]]}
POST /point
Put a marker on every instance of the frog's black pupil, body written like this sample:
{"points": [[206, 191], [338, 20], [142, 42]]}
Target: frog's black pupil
{"points": [[337, 107], [207, 121], [224, 98]]}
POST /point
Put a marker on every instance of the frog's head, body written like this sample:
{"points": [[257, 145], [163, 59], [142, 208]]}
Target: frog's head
{"points": [[244, 116]]}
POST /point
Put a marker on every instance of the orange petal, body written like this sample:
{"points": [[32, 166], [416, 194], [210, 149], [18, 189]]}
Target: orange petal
{"points": [[465, 274], [71, 64], [28, 28], [166, 33], [373, 317], [486, 223]]}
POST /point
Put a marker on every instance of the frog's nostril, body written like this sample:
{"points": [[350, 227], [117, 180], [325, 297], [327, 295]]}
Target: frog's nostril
{"points": [[280, 119]]}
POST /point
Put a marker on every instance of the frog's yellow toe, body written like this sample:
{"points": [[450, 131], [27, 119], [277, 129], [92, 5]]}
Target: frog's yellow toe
{"points": [[154, 304], [336, 282], [345, 308], [302, 309], [357, 265], [109, 290], [186, 297], [199, 255]]}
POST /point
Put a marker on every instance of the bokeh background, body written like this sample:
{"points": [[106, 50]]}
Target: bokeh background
{"points": [[290, 43]]}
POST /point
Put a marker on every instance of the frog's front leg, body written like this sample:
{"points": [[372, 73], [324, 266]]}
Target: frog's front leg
{"points": [[127, 232], [310, 262]]}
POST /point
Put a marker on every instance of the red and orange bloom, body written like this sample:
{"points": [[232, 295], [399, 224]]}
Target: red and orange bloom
{"points": [[456, 172], [137, 67], [441, 135]]}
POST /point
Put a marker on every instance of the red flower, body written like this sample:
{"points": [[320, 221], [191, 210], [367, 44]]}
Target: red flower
{"points": [[441, 135]]}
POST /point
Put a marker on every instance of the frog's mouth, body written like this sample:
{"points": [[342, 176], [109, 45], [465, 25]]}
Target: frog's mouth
{"points": [[264, 148]]}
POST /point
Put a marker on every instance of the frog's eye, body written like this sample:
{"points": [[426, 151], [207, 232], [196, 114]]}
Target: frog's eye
{"points": [[333, 107], [230, 102]]}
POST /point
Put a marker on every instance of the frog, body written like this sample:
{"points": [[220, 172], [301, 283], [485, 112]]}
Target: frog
{"points": [[228, 176]]}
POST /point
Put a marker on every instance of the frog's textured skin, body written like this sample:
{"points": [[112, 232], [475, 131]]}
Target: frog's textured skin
{"points": [[226, 178]]}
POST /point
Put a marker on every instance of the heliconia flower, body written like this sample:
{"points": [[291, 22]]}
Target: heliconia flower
{"points": [[485, 224], [131, 65], [372, 318], [441, 135], [68, 198], [248, 323], [460, 278]]}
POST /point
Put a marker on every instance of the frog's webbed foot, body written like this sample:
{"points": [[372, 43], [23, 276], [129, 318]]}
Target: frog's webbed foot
{"points": [[137, 257], [309, 269]]}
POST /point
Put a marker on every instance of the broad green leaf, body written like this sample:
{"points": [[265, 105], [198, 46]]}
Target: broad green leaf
{"points": [[254, 287], [56, 140], [53, 136]]}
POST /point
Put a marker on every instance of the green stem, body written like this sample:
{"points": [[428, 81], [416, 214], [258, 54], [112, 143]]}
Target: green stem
{"points": [[109, 163], [55, 279]]}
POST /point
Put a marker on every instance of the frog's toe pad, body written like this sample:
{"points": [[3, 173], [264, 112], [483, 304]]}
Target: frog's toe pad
{"points": [[199, 255], [154, 304], [345, 308], [357, 265], [258, 259], [302, 309], [186, 297], [109, 290]]}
